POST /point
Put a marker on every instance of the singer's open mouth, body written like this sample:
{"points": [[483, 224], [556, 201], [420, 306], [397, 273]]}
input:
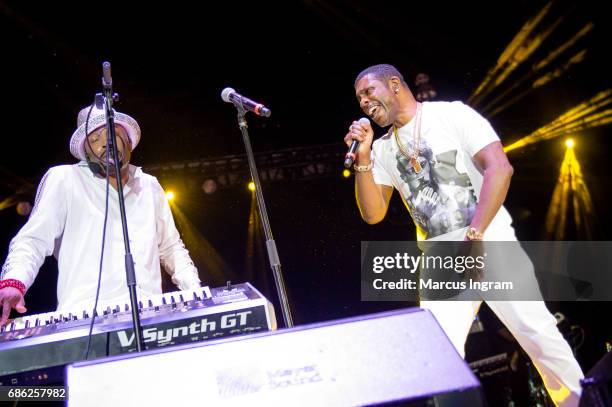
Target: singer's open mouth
{"points": [[373, 110]]}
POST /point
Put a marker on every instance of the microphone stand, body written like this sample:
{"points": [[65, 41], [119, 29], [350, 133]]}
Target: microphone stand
{"points": [[107, 98], [261, 205]]}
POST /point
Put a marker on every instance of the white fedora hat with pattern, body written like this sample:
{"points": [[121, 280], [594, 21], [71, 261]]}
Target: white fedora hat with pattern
{"points": [[97, 120]]}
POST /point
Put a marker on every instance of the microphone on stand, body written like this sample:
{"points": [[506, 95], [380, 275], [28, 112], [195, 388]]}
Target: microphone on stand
{"points": [[107, 87], [229, 95], [107, 80], [349, 159]]}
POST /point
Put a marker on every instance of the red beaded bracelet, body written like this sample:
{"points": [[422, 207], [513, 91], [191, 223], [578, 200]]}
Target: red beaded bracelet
{"points": [[10, 282]]}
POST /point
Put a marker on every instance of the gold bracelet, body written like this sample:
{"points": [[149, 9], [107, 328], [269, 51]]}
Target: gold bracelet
{"points": [[473, 234], [363, 168]]}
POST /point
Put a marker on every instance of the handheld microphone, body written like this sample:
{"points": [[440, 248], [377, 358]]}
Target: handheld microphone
{"points": [[349, 159], [229, 95]]}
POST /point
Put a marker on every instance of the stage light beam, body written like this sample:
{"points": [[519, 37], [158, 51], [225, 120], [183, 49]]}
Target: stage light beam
{"points": [[519, 49], [535, 69], [541, 81], [571, 187], [586, 115], [212, 267]]}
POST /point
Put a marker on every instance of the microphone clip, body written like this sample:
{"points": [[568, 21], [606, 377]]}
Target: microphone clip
{"points": [[99, 100]]}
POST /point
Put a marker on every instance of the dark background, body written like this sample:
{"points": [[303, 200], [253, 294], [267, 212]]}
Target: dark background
{"points": [[171, 61]]}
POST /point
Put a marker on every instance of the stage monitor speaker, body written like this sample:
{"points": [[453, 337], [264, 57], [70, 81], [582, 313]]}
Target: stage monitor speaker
{"points": [[394, 358]]}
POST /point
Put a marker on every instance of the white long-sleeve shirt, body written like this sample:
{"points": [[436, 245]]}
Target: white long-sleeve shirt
{"points": [[67, 221]]}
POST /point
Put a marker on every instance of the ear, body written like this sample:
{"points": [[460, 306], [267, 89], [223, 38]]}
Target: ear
{"points": [[395, 84]]}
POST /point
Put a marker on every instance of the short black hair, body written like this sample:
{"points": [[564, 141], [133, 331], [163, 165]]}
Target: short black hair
{"points": [[382, 72]]}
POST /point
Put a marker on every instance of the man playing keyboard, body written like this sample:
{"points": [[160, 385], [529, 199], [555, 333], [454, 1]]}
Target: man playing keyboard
{"points": [[68, 218]]}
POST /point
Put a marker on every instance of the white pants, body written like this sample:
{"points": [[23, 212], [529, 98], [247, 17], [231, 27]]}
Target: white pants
{"points": [[535, 329]]}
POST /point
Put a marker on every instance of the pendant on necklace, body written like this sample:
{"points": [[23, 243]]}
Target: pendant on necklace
{"points": [[416, 165]]}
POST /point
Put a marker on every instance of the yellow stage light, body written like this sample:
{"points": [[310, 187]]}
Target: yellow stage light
{"points": [[346, 173], [251, 186], [571, 191], [586, 115], [169, 195], [569, 143]]}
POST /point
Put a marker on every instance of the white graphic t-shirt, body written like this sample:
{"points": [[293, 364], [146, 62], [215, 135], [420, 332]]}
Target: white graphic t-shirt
{"points": [[443, 195]]}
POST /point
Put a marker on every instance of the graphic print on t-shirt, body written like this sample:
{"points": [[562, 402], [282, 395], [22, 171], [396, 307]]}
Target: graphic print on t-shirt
{"points": [[440, 198]]}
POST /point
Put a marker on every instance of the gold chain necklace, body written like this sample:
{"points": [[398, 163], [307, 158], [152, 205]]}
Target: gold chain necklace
{"points": [[416, 134]]}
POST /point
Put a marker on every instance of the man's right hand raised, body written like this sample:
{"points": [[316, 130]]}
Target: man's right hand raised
{"points": [[362, 132], [10, 297]]}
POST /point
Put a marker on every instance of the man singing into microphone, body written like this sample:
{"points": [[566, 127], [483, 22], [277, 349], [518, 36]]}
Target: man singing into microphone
{"points": [[450, 204], [68, 217]]}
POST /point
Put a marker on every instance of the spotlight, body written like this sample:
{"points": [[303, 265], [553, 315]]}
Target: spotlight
{"points": [[170, 195], [251, 186], [346, 173], [209, 186], [569, 143], [24, 208]]}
